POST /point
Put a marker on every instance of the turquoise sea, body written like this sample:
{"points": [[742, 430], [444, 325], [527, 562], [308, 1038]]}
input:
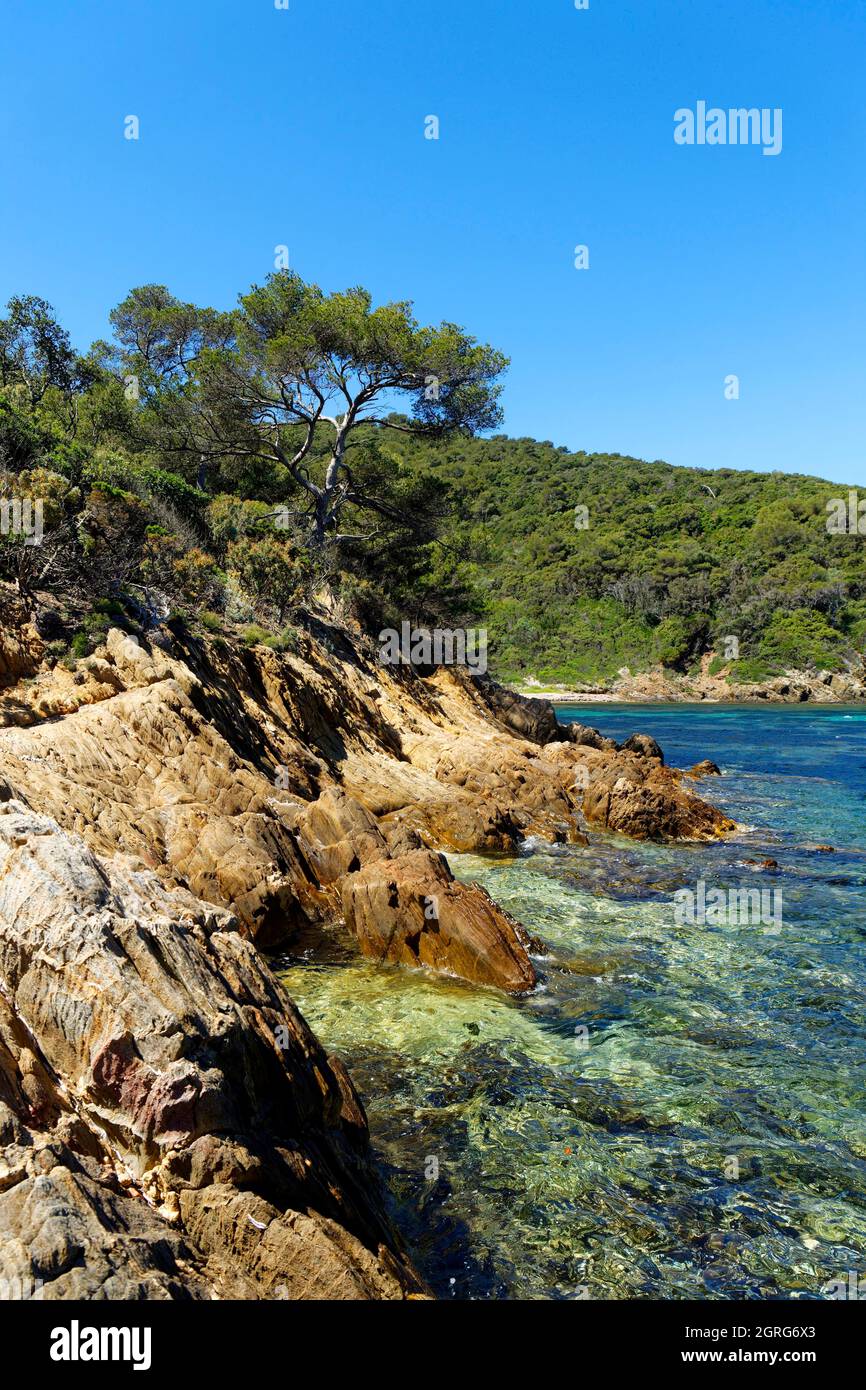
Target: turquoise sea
{"points": [[679, 1111]]}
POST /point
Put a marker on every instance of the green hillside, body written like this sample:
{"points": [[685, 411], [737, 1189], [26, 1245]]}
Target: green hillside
{"points": [[671, 561]]}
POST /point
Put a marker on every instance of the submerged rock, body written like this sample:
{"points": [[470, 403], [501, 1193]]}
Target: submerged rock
{"points": [[640, 797]]}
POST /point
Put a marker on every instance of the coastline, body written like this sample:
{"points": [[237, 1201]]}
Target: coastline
{"points": [[654, 688], [564, 698]]}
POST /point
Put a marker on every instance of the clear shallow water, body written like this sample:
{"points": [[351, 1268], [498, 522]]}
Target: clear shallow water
{"points": [[679, 1111]]}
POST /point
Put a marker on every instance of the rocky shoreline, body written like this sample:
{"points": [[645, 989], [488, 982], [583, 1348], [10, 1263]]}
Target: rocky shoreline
{"points": [[169, 814], [664, 687]]}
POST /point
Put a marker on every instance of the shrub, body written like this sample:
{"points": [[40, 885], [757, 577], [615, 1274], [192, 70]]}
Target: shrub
{"points": [[177, 572], [273, 573], [801, 638], [256, 636]]}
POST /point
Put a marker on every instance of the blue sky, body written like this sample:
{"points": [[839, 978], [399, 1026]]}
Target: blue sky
{"points": [[305, 127]]}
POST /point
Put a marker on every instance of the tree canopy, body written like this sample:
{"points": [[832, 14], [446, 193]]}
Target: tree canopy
{"points": [[279, 387]]}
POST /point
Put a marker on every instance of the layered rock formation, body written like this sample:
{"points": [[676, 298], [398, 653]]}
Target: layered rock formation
{"points": [[170, 1125], [261, 780], [414, 911], [167, 814]]}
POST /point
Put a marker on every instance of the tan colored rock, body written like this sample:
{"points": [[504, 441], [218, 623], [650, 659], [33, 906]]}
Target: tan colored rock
{"points": [[705, 768], [259, 779], [21, 647], [184, 1062], [339, 835], [639, 797], [413, 911]]}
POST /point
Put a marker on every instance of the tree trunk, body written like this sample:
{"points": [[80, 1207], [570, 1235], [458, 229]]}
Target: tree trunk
{"points": [[324, 514]]}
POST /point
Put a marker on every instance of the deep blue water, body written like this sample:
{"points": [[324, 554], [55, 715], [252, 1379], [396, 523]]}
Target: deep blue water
{"points": [[679, 1111]]}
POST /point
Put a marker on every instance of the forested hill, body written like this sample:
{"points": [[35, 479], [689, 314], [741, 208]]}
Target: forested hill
{"points": [[242, 470], [664, 563]]}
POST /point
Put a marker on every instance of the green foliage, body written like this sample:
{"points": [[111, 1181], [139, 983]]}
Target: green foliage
{"points": [[267, 400], [800, 638], [109, 606], [271, 571], [91, 634], [168, 565], [677, 638], [254, 636], [672, 560], [35, 352], [230, 518], [205, 491], [750, 671]]}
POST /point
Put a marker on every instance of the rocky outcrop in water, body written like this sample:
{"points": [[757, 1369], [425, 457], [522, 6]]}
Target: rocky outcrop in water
{"points": [[261, 781], [643, 745], [413, 911], [638, 797]]}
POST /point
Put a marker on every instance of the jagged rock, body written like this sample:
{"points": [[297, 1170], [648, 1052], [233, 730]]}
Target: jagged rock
{"points": [[487, 793], [21, 647], [68, 1234], [260, 780], [531, 718], [339, 835], [290, 1254], [401, 838], [191, 801], [587, 737], [642, 744], [413, 911], [640, 798], [186, 1066], [705, 768]]}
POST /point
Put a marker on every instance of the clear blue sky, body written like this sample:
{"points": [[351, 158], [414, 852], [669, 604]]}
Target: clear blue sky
{"points": [[306, 127]]}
